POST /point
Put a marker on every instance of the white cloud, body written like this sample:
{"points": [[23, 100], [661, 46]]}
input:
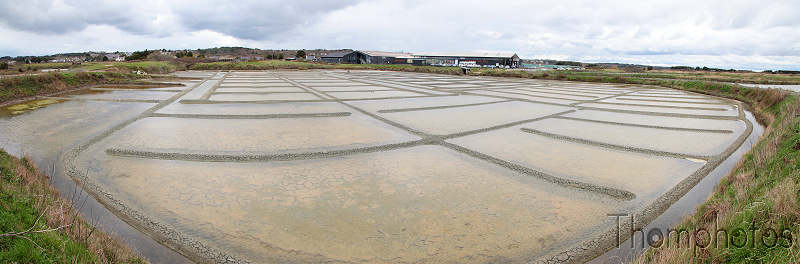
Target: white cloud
{"points": [[741, 34]]}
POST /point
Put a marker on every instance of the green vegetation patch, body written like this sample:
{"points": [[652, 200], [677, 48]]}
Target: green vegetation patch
{"points": [[31, 105], [38, 226], [148, 67], [15, 87]]}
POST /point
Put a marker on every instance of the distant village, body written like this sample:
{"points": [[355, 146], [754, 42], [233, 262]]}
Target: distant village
{"points": [[235, 54], [342, 56]]}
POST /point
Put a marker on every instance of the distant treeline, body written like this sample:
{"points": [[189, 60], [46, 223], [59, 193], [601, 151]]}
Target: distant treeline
{"points": [[228, 50], [688, 68], [556, 62], [781, 72]]}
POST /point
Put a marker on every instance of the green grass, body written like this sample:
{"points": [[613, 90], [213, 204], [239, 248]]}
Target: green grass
{"points": [[150, 67], [35, 67], [20, 213], [19, 86], [48, 65], [258, 65], [29, 203]]}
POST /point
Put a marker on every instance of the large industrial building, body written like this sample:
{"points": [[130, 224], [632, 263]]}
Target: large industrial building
{"points": [[475, 59], [348, 57], [383, 57]]}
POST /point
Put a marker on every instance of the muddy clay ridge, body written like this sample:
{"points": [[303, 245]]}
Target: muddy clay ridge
{"points": [[368, 166]]}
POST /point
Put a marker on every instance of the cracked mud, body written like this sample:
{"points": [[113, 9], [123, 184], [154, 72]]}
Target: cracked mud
{"points": [[368, 166]]}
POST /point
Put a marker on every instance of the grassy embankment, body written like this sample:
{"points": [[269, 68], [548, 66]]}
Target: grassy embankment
{"points": [[38, 226], [754, 204], [17, 69], [149, 67], [22, 86]]}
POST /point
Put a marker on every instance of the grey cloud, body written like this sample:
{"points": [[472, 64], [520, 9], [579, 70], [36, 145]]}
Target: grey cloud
{"points": [[59, 17], [650, 52], [255, 20], [594, 31], [643, 32], [620, 29]]}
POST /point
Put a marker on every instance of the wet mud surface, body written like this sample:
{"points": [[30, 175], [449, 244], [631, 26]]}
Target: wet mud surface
{"points": [[366, 166]]}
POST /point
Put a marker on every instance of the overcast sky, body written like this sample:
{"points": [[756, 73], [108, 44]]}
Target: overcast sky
{"points": [[722, 34]]}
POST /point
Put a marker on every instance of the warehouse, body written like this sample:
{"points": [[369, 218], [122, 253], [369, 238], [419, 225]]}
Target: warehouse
{"points": [[473, 59], [382, 57], [341, 57]]}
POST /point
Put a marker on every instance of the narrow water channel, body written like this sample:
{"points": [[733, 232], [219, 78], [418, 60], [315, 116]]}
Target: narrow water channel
{"points": [[630, 250]]}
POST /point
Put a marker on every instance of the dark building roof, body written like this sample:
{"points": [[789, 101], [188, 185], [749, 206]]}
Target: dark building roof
{"points": [[386, 54], [503, 55], [338, 54]]}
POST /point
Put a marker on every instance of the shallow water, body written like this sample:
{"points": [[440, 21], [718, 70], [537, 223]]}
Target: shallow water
{"points": [[525, 97], [703, 110], [551, 94], [667, 103], [666, 121], [652, 98], [628, 250], [351, 88], [419, 204], [644, 175], [406, 103], [142, 87], [264, 97], [462, 119], [255, 136], [333, 83], [457, 86], [277, 83], [372, 94], [111, 95], [228, 89], [368, 178], [684, 142], [253, 109], [52, 128]]}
